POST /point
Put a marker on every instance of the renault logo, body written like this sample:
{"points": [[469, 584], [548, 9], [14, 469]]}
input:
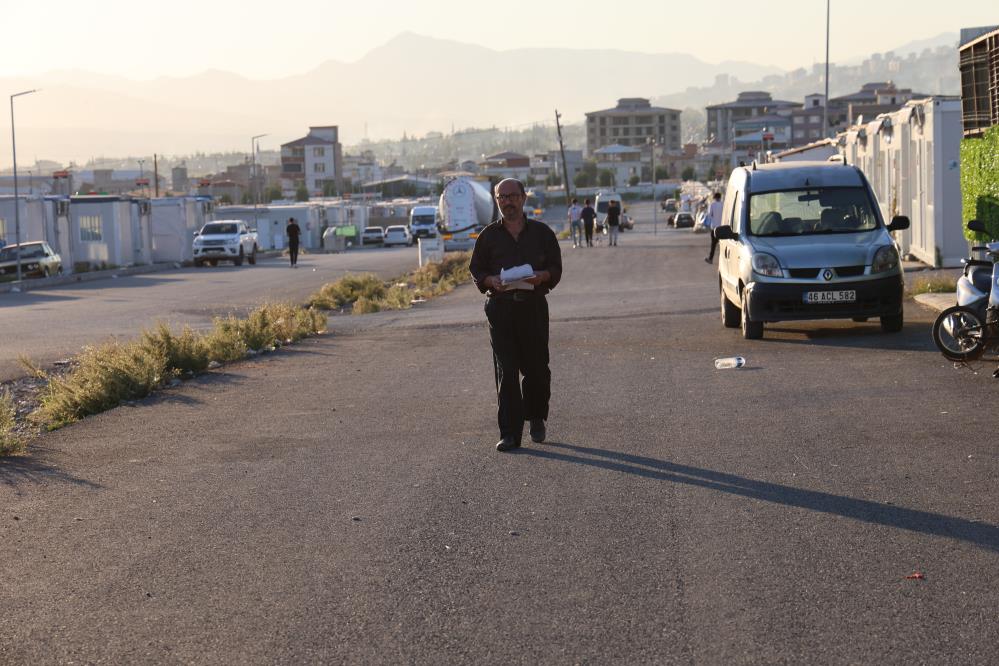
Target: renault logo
{"points": [[827, 274]]}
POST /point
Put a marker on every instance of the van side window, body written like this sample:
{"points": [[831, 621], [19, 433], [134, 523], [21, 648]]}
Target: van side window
{"points": [[728, 202], [736, 215]]}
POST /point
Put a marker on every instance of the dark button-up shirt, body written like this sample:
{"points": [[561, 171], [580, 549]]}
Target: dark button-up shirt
{"points": [[495, 249]]}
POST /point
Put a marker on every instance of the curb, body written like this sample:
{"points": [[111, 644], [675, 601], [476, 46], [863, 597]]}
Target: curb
{"points": [[90, 276], [938, 302]]}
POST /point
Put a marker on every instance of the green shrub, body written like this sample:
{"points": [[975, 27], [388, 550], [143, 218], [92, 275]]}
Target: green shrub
{"points": [[225, 341], [980, 183], [183, 353], [105, 377], [10, 441], [366, 293], [347, 290]]}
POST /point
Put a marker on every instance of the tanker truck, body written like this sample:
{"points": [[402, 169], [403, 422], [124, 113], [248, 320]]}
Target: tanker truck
{"points": [[466, 208]]}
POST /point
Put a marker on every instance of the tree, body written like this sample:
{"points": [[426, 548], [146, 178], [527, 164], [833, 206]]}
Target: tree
{"points": [[634, 180], [530, 182], [225, 200], [553, 180], [272, 193], [583, 179], [247, 199], [689, 174], [329, 189], [605, 178], [662, 173], [302, 193]]}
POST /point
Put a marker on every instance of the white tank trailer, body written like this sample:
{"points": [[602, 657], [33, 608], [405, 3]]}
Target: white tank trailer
{"points": [[466, 208]]}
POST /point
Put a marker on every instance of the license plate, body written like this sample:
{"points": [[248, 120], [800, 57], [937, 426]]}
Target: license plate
{"points": [[840, 296]]}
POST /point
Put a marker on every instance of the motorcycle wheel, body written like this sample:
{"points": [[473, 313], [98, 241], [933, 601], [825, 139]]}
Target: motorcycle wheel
{"points": [[960, 334]]}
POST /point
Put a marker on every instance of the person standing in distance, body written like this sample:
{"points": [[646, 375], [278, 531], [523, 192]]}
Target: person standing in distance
{"points": [[613, 220], [712, 220], [589, 217], [575, 225], [293, 231], [518, 318]]}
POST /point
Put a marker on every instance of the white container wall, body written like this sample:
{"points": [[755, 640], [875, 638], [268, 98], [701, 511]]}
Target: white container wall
{"points": [[173, 222], [101, 232], [912, 159]]}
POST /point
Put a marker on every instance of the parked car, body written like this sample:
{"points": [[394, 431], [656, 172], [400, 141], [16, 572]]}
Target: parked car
{"points": [[398, 234], [37, 260], [225, 240], [683, 220], [806, 240], [373, 236]]}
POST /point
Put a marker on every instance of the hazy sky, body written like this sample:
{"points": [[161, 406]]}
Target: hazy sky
{"points": [[273, 39]]}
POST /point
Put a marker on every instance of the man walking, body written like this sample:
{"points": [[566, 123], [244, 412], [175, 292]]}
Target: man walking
{"points": [[575, 223], [712, 221], [589, 217], [517, 312], [613, 220], [293, 231]]}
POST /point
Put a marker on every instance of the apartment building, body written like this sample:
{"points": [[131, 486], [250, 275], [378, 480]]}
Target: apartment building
{"points": [[747, 106], [633, 122], [979, 58], [315, 161]]}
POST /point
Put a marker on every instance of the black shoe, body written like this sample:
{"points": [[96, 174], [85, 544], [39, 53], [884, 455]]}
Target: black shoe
{"points": [[537, 430], [507, 444]]}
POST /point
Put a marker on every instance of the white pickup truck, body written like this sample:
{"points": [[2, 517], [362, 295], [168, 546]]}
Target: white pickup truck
{"points": [[225, 240]]}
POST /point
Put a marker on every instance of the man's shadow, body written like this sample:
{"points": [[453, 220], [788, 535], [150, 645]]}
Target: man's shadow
{"points": [[981, 534]]}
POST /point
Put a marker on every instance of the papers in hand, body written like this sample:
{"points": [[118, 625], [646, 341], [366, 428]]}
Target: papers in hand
{"points": [[514, 278]]}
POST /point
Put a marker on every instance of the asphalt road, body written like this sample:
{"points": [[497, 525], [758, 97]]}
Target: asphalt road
{"points": [[50, 324], [340, 501]]}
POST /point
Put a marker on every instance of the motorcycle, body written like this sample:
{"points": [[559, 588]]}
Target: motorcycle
{"points": [[967, 330]]}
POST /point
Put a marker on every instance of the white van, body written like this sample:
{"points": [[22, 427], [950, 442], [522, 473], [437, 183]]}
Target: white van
{"points": [[600, 205], [806, 240], [423, 222]]}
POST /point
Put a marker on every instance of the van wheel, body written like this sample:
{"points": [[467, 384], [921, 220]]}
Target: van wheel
{"points": [[892, 323], [238, 261], [751, 330], [253, 256], [729, 311]]}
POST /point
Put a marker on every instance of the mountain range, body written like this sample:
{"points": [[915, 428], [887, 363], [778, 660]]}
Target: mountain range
{"points": [[412, 84]]}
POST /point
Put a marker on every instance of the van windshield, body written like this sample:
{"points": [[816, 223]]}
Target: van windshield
{"points": [[839, 210], [423, 219]]}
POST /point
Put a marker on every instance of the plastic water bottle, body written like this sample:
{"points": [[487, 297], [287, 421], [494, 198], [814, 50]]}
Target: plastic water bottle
{"points": [[729, 362]]}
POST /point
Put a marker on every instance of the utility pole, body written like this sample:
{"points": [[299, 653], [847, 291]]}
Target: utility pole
{"points": [[17, 210], [565, 169], [156, 176], [655, 218], [825, 106]]}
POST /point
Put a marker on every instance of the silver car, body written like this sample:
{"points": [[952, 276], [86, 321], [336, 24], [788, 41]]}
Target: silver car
{"points": [[806, 240]]}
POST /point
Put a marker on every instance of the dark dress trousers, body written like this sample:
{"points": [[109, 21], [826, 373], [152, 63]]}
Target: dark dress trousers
{"points": [[518, 320]]}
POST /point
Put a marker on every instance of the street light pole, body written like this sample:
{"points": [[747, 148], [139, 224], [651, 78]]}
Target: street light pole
{"points": [[17, 210], [825, 106], [254, 144], [141, 173], [655, 217]]}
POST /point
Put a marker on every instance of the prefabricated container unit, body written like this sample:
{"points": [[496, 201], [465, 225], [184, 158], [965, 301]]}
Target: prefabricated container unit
{"points": [[30, 217], [912, 159], [104, 233], [173, 223], [310, 217]]}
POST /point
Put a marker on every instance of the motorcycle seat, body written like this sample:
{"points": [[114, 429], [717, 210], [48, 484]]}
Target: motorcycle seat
{"points": [[981, 277]]}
